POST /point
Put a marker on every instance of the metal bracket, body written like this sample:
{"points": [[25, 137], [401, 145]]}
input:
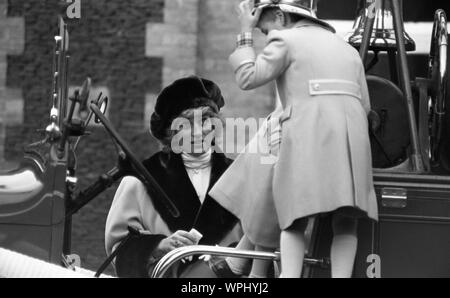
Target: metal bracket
{"points": [[394, 198]]}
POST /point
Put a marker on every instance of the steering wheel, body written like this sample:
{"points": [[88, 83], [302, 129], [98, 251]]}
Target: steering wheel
{"points": [[155, 191]]}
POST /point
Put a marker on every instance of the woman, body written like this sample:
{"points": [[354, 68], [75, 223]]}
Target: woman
{"points": [[185, 169]]}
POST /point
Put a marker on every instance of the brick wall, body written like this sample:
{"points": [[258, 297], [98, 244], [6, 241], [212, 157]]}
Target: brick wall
{"points": [[218, 26], [12, 41], [108, 44]]}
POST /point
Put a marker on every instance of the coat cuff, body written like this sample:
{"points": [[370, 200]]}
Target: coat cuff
{"points": [[241, 56], [133, 259]]}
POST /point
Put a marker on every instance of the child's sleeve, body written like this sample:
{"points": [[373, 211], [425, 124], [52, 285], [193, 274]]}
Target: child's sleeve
{"points": [[365, 98], [253, 71]]}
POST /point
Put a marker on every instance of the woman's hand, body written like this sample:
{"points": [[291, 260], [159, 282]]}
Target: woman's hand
{"points": [[248, 19], [176, 240]]}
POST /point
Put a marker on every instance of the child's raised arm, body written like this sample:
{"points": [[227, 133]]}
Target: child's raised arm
{"points": [[254, 71]]}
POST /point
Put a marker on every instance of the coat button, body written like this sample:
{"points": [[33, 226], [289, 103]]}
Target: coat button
{"points": [[316, 87]]}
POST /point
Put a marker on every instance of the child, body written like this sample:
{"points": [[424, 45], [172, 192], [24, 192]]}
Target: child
{"points": [[323, 162]]}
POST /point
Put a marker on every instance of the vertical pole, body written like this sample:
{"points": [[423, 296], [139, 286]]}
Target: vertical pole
{"points": [[67, 244], [368, 30], [416, 156], [61, 73]]}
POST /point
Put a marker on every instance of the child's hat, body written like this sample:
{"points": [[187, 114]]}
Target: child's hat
{"points": [[304, 8]]}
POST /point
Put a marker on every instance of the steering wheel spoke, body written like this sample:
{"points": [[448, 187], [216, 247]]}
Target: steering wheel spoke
{"points": [[137, 168]]}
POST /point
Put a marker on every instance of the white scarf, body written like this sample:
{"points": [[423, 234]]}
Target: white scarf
{"points": [[199, 171], [197, 162]]}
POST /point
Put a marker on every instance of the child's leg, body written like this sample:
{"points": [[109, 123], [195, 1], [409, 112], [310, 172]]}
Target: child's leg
{"points": [[343, 248], [292, 247], [260, 267], [239, 265]]}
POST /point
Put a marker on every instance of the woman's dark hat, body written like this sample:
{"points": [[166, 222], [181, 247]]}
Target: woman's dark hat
{"points": [[183, 94]]}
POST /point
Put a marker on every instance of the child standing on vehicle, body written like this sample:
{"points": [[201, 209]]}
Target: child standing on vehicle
{"points": [[324, 159]]}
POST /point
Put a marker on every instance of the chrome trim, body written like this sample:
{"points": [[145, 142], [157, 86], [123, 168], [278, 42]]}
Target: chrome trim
{"points": [[36, 162], [17, 187], [394, 198], [438, 58], [183, 252]]}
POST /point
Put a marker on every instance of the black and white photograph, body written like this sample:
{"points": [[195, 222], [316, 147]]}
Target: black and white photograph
{"points": [[224, 144]]}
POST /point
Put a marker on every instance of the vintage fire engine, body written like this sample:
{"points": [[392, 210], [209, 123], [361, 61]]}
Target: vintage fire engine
{"points": [[410, 148]]}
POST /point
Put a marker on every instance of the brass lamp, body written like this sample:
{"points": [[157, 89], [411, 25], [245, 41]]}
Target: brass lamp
{"points": [[383, 35]]}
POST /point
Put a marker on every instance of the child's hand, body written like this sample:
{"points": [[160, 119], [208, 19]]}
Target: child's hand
{"points": [[248, 16], [374, 120]]}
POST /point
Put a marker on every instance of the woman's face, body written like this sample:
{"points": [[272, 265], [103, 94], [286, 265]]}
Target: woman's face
{"points": [[197, 132]]}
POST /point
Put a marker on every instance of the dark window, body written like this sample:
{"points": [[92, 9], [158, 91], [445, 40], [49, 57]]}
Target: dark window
{"points": [[414, 10]]}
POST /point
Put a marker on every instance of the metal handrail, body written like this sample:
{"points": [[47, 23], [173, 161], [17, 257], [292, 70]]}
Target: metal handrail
{"points": [[184, 252]]}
